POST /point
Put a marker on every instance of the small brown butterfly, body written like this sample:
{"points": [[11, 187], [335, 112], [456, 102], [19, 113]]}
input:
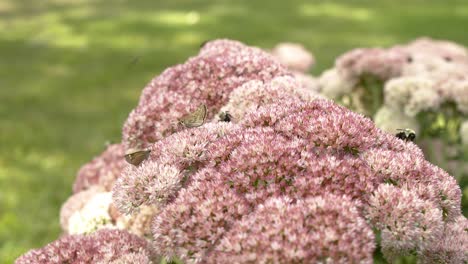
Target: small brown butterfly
{"points": [[194, 119], [135, 156]]}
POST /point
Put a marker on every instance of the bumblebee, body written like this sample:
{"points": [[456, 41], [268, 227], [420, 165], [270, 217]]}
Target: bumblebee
{"points": [[225, 117], [406, 134]]}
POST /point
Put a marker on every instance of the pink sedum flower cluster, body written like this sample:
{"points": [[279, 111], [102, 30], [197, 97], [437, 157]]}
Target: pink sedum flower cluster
{"points": [[384, 64], [286, 154], [220, 67], [325, 229], [452, 247], [253, 94], [421, 74], [104, 246], [294, 56], [293, 178]]}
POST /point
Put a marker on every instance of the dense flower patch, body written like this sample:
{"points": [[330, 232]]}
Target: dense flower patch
{"points": [[291, 178]]}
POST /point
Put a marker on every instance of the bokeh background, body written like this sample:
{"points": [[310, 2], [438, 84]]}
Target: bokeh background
{"points": [[71, 71]]}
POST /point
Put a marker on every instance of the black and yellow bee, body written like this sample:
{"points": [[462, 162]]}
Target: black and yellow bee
{"points": [[225, 117], [406, 134]]}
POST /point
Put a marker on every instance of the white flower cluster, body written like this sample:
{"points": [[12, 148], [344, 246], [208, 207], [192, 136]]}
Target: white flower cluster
{"points": [[333, 85], [93, 216], [411, 94], [420, 76], [390, 120]]}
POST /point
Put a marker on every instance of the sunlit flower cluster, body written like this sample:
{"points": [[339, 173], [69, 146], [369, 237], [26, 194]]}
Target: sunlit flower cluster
{"points": [[292, 178], [428, 72], [280, 157], [422, 85], [103, 246], [220, 67], [381, 63], [451, 247], [93, 216], [253, 94], [337, 227], [294, 56]]}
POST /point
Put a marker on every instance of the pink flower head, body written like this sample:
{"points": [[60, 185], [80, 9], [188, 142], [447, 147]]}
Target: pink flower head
{"points": [[452, 247], [321, 122], [317, 229], [408, 223], [292, 148], [294, 56], [171, 162], [102, 170], [444, 51], [286, 156], [381, 63], [253, 94], [150, 184], [139, 258], [208, 78], [412, 94], [201, 214], [307, 81], [260, 165], [456, 91], [103, 246], [327, 171]]}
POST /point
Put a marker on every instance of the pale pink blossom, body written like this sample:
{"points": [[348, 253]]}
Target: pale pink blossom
{"points": [[377, 62], [209, 78], [334, 84], [170, 164], [390, 120], [451, 247], [317, 229], [294, 56], [254, 94], [408, 223], [102, 246], [146, 185], [199, 216], [456, 91], [138, 223], [75, 203], [137, 258], [93, 216], [321, 121], [307, 81], [431, 57], [412, 94]]}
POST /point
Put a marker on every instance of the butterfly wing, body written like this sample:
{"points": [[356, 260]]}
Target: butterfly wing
{"points": [[137, 157], [195, 119]]}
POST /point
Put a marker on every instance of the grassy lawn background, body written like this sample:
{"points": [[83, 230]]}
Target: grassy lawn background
{"points": [[71, 71]]}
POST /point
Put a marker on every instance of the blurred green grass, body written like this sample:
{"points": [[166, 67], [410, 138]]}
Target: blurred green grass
{"points": [[71, 71]]}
